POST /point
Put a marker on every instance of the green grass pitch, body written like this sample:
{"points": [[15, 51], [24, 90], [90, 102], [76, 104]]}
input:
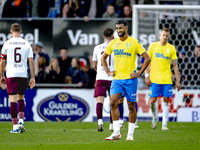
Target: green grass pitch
{"points": [[84, 135]]}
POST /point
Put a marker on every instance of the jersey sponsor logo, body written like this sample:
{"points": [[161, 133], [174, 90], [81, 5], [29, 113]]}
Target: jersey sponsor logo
{"points": [[18, 65], [102, 47], [63, 107], [161, 55], [116, 45], [120, 52]]}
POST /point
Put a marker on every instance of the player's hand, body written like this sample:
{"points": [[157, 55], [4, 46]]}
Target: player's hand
{"points": [[32, 82], [112, 73], [3, 80], [148, 81], [134, 75], [178, 85]]}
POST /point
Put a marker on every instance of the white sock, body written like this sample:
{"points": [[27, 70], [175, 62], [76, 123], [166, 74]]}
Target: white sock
{"points": [[154, 109], [121, 121], [116, 126], [100, 121], [136, 121], [131, 128], [15, 127], [165, 114], [111, 126], [21, 120]]}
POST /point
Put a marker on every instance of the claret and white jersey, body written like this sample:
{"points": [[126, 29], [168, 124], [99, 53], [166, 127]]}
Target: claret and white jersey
{"points": [[97, 53], [17, 51]]}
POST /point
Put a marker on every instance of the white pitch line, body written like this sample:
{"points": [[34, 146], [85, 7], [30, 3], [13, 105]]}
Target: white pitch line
{"points": [[63, 129], [170, 131], [96, 130]]}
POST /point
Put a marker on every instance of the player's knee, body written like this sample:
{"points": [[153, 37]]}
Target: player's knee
{"points": [[132, 110], [113, 103], [120, 101], [166, 99], [153, 100], [131, 107]]}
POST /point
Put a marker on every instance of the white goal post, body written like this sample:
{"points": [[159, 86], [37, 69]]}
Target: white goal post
{"points": [[136, 9], [184, 24]]}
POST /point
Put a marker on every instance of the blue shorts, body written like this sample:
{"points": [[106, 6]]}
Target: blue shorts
{"points": [[128, 88], [163, 90]]}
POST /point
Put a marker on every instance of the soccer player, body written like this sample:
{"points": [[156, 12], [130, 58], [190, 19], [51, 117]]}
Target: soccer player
{"points": [[103, 81], [120, 104], [16, 51], [160, 82], [125, 50]]}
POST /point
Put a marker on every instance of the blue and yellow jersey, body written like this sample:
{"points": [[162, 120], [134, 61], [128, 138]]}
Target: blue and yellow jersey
{"points": [[125, 53], [161, 57]]}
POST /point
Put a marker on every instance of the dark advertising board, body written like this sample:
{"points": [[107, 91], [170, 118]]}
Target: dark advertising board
{"points": [[32, 31], [80, 37]]}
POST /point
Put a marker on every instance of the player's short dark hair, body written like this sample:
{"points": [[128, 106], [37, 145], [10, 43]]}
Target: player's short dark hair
{"points": [[122, 21], [108, 32], [15, 27], [165, 29]]}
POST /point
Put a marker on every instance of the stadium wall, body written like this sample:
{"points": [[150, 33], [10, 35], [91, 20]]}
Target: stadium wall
{"points": [[78, 36], [80, 105]]}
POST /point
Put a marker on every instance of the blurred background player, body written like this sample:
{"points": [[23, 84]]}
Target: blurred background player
{"points": [[125, 49], [17, 51], [160, 82], [103, 81]]}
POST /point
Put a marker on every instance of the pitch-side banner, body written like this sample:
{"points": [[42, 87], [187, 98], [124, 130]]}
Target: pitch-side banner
{"points": [[80, 105], [188, 114]]}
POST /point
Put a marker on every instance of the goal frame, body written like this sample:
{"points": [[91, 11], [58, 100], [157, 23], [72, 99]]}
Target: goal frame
{"points": [[136, 9]]}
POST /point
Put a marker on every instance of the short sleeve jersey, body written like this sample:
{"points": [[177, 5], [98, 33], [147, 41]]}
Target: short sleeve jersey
{"points": [[125, 53], [97, 53], [17, 51], [161, 57]]}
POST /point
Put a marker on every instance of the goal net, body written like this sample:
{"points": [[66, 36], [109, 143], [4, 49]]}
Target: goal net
{"points": [[184, 24]]}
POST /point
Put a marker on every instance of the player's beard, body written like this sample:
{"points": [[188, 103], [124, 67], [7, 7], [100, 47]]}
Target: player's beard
{"points": [[123, 33]]}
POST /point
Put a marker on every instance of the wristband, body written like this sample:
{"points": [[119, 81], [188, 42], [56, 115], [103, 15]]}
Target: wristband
{"points": [[146, 75]]}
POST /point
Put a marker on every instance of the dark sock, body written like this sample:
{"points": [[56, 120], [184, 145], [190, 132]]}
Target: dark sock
{"points": [[13, 112], [136, 106], [111, 121], [121, 110], [21, 108], [99, 110]]}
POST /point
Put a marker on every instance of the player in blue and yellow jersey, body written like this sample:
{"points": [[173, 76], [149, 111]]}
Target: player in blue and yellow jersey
{"points": [[160, 81], [125, 50]]}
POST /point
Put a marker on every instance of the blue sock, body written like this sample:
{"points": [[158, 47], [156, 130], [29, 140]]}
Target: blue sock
{"points": [[136, 106], [121, 110]]}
